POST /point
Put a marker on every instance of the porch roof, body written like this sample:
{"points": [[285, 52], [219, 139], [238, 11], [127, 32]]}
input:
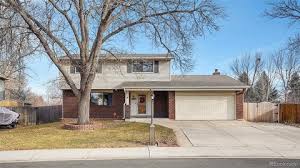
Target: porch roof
{"points": [[189, 82]]}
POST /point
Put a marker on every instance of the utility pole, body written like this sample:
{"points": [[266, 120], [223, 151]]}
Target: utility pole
{"points": [[152, 126]]}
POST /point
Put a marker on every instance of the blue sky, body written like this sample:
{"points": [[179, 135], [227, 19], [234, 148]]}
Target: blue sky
{"points": [[245, 30]]}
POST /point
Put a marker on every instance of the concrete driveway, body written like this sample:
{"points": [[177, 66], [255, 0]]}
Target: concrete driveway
{"points": [[240, 134], [234, 134]]}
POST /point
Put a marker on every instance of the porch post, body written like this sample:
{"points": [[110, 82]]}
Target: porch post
{"points": [[127, 97], [126, 109]]}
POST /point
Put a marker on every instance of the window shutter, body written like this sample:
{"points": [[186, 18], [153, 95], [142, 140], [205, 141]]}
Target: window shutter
{"points": [[156, 66], [99, 68], [72, 69], [129, 66]]}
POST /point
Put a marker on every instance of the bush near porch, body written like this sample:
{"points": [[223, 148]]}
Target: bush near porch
{"points": [[53, 136]]}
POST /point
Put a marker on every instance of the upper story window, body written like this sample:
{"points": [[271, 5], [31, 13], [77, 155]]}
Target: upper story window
{"points": [[142, 66], [76, 69]]}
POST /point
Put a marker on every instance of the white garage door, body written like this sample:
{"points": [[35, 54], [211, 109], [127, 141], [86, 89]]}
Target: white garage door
{"points": [[196, 106]]}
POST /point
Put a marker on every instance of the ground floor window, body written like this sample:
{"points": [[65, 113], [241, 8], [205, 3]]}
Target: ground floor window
{"points": [[101, 98]]}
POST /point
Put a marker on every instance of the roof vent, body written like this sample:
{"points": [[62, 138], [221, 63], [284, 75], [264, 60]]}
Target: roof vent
{"points": [[216, 72]]}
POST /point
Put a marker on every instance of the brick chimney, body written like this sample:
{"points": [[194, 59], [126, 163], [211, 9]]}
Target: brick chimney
{"points": [[216, 72]]}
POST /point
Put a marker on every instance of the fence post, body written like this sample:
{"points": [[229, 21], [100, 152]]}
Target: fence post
{"points": [[279, 115], [25, 117], [34, 112]]}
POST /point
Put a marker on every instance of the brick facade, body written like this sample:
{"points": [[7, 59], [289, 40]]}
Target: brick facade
{"points": [[116, 110], [171, 104], [110, 112], [239, 105]]}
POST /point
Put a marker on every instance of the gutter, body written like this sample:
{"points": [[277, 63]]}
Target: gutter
{"points": [[183, 89]]}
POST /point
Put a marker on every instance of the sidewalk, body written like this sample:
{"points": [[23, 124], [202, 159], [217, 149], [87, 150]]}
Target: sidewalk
{"points": [[144, 153]]}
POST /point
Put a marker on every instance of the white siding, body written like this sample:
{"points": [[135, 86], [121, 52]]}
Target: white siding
{"points": [[114, 74]]}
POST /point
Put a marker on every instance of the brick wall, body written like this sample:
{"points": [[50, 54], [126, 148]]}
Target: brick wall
{"points": [[110, 112], [171, 104], [69, 104], [239, 105]]}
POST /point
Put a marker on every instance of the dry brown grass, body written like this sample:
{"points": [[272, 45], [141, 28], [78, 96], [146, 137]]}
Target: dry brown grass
{"points": [[53, 136]]}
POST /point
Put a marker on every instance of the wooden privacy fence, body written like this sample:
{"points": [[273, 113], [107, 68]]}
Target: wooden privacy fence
{"points": [[289, 113], [261, 112], [27, 115], [38, 115], [46, 114]]}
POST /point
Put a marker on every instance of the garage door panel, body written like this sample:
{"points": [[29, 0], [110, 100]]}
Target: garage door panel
{"points": [[204, 107]]}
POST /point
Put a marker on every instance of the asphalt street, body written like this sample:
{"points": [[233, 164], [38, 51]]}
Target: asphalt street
{"points": [[161, 163]]}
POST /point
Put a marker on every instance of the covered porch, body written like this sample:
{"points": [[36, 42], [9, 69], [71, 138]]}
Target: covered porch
{"points": [[140, 102]]}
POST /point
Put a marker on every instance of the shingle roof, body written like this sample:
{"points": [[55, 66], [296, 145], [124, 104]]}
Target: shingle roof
{"points": [[190, 82]]}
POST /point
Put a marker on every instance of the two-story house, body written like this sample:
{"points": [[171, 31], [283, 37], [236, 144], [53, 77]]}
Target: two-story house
{"points": [[133, 85]]}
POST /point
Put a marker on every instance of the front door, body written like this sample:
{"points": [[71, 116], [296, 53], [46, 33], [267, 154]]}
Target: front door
{"points": [[161, 104], [142, 104]]}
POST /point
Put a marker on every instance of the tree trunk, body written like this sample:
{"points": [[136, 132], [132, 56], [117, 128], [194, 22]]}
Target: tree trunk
{"points": [[84, 108]]}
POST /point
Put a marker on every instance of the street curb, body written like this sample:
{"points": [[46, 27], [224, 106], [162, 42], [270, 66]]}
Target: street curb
{"points": [[135, 153]]}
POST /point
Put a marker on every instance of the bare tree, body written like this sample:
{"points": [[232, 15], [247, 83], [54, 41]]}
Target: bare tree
{"points": [[91, 26], [248, 64], [54, 94], [270, 72], [15, 46], [289, 10], [286, 63], [246, 70], [242, 67]]}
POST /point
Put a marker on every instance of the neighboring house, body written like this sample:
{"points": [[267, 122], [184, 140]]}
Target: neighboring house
{"points": [[2, 87], [124, 87]]}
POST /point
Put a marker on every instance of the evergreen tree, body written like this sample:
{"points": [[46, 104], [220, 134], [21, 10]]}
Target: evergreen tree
{"points": [[244, 77], [294, 88], [263, 89]]}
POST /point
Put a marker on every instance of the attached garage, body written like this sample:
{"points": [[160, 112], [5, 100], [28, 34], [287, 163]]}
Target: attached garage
{"points": [[195, 97], [205, 106]]}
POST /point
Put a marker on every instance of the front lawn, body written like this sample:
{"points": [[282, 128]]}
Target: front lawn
{"points": [[53, 136]]}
